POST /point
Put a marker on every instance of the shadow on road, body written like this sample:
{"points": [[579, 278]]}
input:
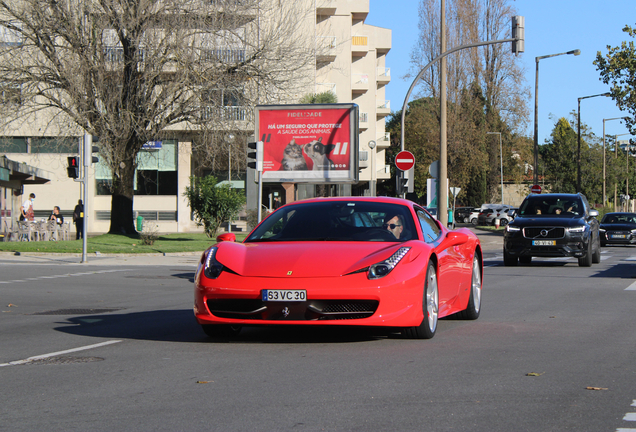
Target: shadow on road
{"points": [[180, 326]]}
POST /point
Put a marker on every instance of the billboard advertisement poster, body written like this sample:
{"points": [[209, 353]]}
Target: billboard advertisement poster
{"points": [[309, 143]]}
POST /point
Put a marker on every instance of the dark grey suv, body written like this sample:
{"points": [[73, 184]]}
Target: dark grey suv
{"points": [[553, 225]]}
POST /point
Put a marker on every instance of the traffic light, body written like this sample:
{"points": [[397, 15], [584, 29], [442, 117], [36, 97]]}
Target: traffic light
{"points": [[255, 158], [401, 183], [73, 167], [518, 34], [89, 149]]}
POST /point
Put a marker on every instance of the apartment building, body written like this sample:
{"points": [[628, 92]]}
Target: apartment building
{"points": [[349, 60]]}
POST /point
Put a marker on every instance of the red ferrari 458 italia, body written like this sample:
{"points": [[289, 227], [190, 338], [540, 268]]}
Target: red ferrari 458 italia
{"points": [[356, 261]]}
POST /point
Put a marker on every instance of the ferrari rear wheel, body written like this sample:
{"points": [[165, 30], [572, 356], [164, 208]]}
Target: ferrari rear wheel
{"points": [[474, 301], [430, 307], [221, 330]]}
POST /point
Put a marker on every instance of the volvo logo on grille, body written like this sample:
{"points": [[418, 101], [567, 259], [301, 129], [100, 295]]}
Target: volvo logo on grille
{"points": [[544, 233], [285, 312]]}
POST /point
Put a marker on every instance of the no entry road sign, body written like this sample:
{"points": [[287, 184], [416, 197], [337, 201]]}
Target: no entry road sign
{"points": [[404, 160]]}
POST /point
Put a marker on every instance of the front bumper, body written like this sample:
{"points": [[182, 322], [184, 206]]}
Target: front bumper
{"points": [[346, 300], [571, 245], [618, 237]]}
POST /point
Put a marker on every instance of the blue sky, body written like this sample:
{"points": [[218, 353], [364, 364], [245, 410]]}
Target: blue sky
{"points": [[552, 26]]}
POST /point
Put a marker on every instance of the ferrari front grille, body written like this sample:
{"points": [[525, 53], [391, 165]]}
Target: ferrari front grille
{"points": [[311, 310]]}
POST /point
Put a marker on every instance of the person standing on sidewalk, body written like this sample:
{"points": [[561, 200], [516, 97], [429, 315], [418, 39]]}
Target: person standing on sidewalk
{"points": [[78, 219], [26, 213]]}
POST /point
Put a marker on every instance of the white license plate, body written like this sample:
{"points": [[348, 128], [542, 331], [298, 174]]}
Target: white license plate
{"points": [[618, 236], [284, 295], [544, 243]]}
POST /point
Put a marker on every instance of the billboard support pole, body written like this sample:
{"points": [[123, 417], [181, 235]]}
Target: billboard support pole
{"points": [[259, 200]]}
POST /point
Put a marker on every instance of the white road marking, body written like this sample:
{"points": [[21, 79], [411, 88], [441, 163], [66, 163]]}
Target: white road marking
{"points": [[53, 354], [630, 417], [65, 275], [632, 287], [634, 403]]}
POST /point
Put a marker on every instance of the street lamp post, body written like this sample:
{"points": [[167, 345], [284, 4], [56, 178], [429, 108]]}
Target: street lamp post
{"points": [[604, 162], [373, 173], [229, 139], [500, 163], [578, 139], [536, 109]]}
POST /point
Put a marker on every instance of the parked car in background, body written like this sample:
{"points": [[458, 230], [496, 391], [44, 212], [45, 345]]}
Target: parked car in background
{"points": [[553, 225], [462, 213], [472, 217], [488, 215], [618, 228]]}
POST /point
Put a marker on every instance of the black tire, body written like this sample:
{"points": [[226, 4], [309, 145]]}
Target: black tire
{"points": [[603, 244], [430, 307], [503, 222], [509, 259], [473, 221], [221, 330], [586, 261], [474, 301], [525, 259], [596, 256]]}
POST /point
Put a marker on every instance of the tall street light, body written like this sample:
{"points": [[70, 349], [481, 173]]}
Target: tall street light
{"points": [[373, 173], [604, 162], [500, 163], [536, 109], [578, 139]]}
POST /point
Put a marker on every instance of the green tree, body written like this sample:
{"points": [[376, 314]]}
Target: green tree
{"points": [[319, 98], [618, 69], [559, 156], [212, 203]]}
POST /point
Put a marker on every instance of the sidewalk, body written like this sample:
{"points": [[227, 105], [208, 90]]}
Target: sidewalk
{"points": [[490, 241]]}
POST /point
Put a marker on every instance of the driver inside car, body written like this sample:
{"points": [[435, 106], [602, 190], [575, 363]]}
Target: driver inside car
{"points": [[395, 225]]}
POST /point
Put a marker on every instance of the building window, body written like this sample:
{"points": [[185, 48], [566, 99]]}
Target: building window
{"points": [[13, 145], [54, 144], [156, 171]]}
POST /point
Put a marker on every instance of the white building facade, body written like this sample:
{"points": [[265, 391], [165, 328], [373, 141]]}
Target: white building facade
{"points": [[350, 61]]}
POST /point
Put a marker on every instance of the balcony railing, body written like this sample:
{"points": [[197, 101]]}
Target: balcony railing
{"points": [[226, 113], [384, 104], [224, 55]]}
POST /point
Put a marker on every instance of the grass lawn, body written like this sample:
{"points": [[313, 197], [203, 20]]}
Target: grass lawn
{"points": [[118, 244]]}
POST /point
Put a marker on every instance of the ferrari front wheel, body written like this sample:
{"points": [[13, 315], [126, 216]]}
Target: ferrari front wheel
{"points": [[474, 300], [430, 308], [220, 330]]}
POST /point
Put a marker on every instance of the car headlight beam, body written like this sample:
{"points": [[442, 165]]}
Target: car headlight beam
{"points": [[577, 228], [510, 228], [381, 269]]}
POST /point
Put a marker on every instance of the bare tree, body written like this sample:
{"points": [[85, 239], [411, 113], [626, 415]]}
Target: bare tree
{"points": [[493, 71], [132, 71]]}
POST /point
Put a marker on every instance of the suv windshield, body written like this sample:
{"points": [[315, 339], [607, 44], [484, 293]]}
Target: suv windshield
{"points": [[542, 205]]}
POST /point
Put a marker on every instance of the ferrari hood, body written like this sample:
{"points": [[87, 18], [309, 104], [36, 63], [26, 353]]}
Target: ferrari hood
{"points": [[302, 259]]}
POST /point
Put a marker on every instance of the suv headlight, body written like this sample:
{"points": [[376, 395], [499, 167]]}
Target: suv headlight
{"points": [[577, 229], [381, 269], [510, 228]]}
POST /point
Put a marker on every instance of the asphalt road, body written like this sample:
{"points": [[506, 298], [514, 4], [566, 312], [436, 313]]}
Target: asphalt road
{"points": [[112, 345]]}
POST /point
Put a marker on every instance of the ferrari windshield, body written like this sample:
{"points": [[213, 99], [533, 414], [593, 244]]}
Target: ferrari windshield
{"points": [[337, 221]]}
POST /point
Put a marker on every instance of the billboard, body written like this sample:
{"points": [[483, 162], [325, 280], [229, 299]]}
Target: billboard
{"points": [[309, 143]]}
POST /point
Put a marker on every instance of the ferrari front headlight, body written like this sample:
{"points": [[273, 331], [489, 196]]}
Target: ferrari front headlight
{"points": [[212, 268], [381, 269]]}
